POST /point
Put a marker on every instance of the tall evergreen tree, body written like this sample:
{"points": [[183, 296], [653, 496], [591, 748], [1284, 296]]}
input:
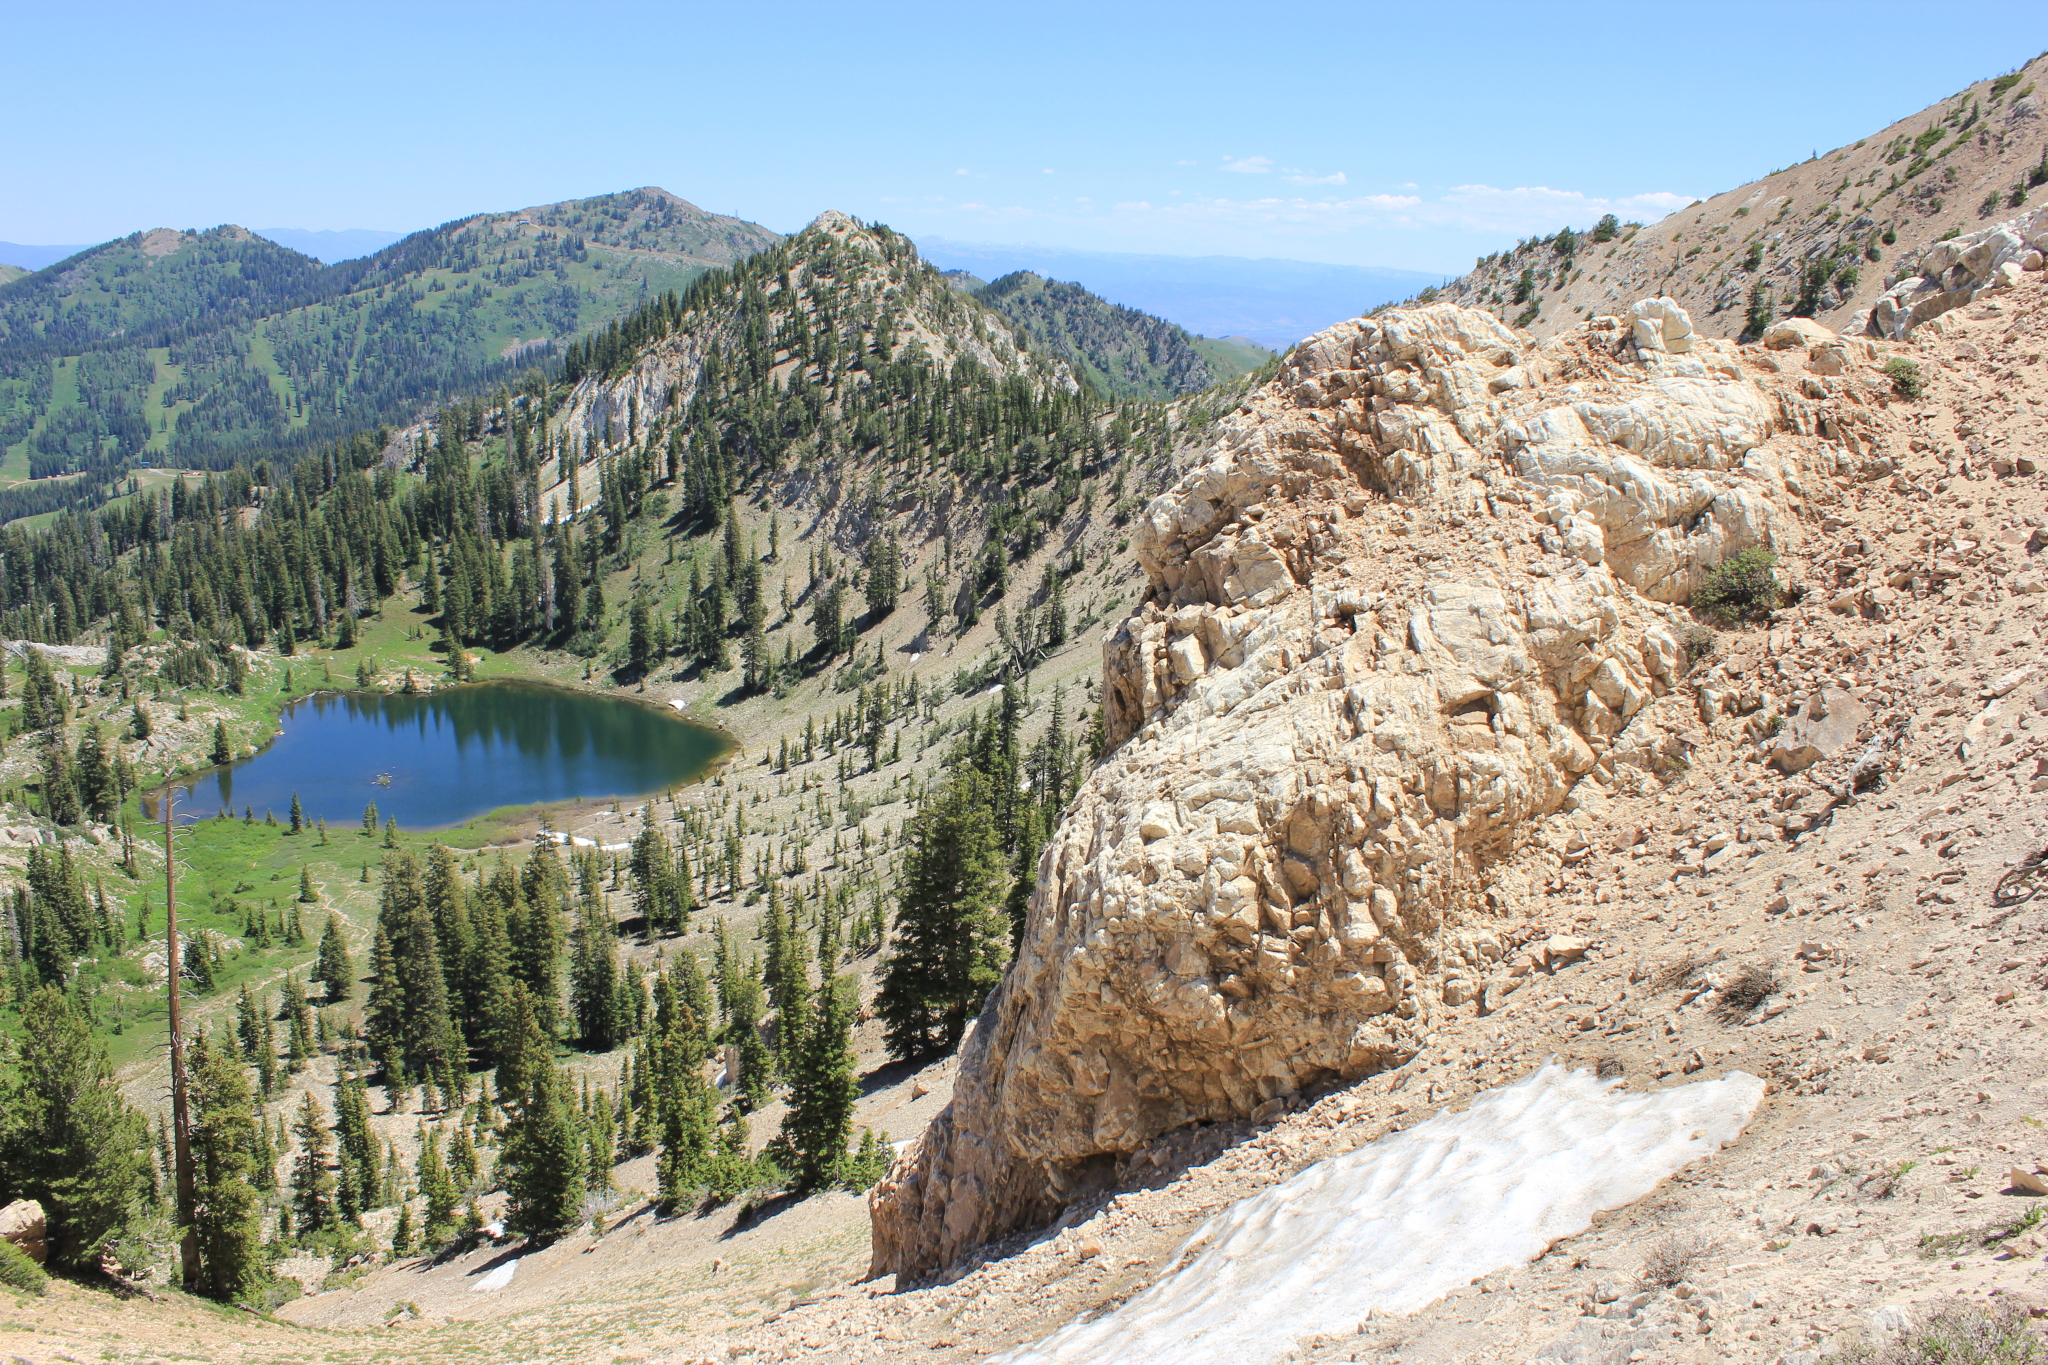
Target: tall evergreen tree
{"points": [[410, 1025], [688, 1105], [536, 934], [332, 968], [442, 1196], [951, 933], [787, 978], [312, 1181], [227, 1207], [542, 1165], [823, 1090], [593, 977], [67, 1137]]}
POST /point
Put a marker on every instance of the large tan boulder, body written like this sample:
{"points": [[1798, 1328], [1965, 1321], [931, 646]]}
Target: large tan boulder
{"points": [[1662, 325], [1803, 333], [23, 1224], [1410, 609], [1826, 725]]}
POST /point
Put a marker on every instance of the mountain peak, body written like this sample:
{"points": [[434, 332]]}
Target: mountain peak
{"points": [[834, 222]]}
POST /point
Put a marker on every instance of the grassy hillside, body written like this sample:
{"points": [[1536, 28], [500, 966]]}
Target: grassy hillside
{"points": [[1232, 357], [195, 348], [1817, 239]]}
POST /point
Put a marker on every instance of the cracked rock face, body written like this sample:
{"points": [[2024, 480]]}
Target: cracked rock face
{"points": [[1416, 597]]}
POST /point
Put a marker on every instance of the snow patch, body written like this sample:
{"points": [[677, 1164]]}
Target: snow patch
{"points": [[1400, 1222], [497, 1279]]}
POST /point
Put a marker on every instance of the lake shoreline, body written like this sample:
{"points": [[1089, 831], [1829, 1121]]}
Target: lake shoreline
{"points": [[517, 819]]}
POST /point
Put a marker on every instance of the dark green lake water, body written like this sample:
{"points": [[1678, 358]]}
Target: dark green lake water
{"points": [[447, 757]]}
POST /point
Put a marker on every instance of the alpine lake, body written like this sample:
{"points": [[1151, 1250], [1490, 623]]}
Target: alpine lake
{"points": [[440, 759]]}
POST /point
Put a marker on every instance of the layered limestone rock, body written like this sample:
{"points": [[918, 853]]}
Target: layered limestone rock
{"points": [[1413, 605]]}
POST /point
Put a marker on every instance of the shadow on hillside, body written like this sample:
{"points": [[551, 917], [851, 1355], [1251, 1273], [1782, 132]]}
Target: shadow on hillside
{"points": [[888, 1074], [752, 1216]]}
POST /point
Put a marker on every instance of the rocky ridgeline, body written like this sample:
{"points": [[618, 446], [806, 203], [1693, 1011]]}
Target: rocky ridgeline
{"points": [[1417, 603], [838, 274]]}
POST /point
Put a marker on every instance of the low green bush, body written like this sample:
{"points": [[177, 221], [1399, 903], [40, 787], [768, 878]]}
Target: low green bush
{"points": [[1905, 377], [1744, 586], [18, 1271], [1957, 1334]]}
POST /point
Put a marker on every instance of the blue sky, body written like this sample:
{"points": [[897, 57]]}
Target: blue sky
{"points": [[1408, 135]]}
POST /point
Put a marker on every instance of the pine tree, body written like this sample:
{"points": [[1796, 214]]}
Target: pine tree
{"points": [[223, 752], [298, 814], [67, 1137], [439, 1191], [248, 1028], [404, 1239], [823, 1091], [687, 1103], [263, 1156], [536, 935], [603, 1142], [867, 1165], [410, 1025], [593, 976], [60, 785], [227, 1207], [542, 1165], [743, 1028], [463, 1167], [312, 1182], [355, 1144], [307, 896], [950, 929], [299, 1047], [732, 1170], [787, 978]]}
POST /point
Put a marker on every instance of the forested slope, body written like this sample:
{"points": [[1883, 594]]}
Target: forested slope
{"points": [[200, 348], [1119, 350]]}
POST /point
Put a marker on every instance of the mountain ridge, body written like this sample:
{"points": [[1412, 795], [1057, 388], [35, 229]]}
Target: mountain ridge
{"points": [[200, 346], [1122, 351], [1821, 239]]}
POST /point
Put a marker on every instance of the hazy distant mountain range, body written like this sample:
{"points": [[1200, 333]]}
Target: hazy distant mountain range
{"points": [[331, 244], [36, 257], [1273, 302]]}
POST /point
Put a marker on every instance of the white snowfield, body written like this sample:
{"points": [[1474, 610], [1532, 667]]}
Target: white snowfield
{"points": [[497, 1279], [1400, 1222]]}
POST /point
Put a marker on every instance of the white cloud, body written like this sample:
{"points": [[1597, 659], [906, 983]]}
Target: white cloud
{"points": [[1304, 178], [962, 171], [1046, 171], [1539, 206], [1251, 165], [1471, 208], [1331, 226]]}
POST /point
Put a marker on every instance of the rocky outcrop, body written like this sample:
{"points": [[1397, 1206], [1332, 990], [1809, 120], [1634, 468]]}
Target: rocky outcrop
{"points": [[1412, 610], [22, 1223], [1950, 274]]}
